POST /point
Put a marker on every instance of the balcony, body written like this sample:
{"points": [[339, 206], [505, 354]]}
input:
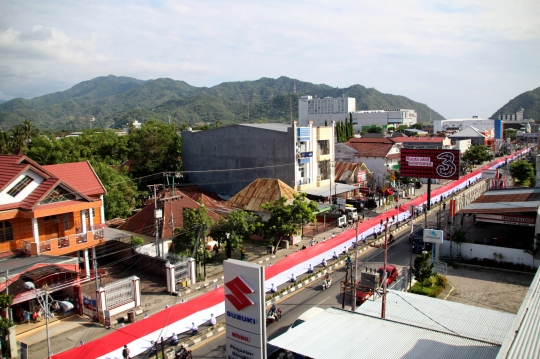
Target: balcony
{"points": [[65, 245]]}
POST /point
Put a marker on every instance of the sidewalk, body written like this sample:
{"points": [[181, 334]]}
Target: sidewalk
{"points": [[67, 333]]}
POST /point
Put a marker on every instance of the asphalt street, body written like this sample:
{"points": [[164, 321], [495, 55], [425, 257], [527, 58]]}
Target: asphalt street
{"points": [[292, 307]]}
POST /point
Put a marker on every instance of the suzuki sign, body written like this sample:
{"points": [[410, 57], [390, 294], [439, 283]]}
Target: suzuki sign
{"points": [[245, 310]]}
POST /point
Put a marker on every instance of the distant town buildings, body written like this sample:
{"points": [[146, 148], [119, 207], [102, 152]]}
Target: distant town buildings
{"points": [[458, 124], [512, 117]]}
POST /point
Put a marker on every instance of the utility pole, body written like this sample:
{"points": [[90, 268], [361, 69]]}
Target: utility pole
{"points": [[156, 220], [355, 271], [385, 277], [44, 302]]}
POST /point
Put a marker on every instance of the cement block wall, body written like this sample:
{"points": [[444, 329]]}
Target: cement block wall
{"points": [[237, 147]]}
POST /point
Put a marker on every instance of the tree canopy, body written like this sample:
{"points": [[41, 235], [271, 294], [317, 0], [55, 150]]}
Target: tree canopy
{"points": [[477, 155], [189, 240], [286, 220], [523, 173], [233, 230]]}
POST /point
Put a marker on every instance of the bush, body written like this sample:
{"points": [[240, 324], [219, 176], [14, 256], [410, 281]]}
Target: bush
{"points": [[136, 242]]}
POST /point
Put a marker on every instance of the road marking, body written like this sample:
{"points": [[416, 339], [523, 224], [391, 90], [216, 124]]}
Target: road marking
{"points": [[324, 300]]}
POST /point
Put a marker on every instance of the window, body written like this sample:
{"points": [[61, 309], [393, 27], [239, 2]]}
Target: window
{"points": [[66, 222], [6, 231], [58, 195], [20, 186]]}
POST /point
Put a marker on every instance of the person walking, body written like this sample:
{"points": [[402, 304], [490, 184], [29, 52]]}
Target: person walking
{"points": [[125, 352]]}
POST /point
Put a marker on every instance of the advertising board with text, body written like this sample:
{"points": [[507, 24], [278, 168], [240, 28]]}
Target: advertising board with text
{"points": [[429, 163], [245, 314]]}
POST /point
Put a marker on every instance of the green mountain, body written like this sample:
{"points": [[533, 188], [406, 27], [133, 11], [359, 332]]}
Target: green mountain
{"points": [[529, 101], [115, 101]]}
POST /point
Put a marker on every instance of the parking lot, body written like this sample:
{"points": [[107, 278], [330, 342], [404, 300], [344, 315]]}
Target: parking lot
{"points": [[488, 288]]}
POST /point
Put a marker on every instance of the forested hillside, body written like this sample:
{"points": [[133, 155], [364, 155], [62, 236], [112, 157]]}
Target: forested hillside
{"points": [[529, 101], [111, 101]]}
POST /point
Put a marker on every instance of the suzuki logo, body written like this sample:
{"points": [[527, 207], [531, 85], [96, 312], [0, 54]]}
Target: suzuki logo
{"points": [[239, 289]]}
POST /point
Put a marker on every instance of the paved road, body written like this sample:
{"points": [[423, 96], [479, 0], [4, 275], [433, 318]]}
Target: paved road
{"points": [[398, 254]]}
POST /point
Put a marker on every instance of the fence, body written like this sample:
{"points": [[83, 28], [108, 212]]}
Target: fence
{"points": [[119, 292]]}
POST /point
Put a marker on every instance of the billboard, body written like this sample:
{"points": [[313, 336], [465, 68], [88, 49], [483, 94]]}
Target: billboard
{"points": [[245, 320], [433, 236], [429, 163]]}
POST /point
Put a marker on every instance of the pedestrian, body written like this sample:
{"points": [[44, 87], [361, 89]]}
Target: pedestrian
{"points": [[312, 242], [81, 343], [333, 235], [212, 319], [444, 206], [194, 329], [335, 256], [125, 352], [273, 288], [145, 315], [363, 239], [174, 339], [217, 286], [122, 325], [293, 278], [310, 270]]}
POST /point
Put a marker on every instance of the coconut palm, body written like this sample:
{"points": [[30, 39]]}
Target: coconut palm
{"points": [[29, 130]]}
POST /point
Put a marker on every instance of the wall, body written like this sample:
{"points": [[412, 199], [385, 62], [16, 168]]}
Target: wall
{"points": [[473, 250], [263, 151]]}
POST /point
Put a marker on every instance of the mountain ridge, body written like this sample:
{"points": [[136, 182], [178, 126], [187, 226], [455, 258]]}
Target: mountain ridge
{"points": [[528, 100], [114, 101]]}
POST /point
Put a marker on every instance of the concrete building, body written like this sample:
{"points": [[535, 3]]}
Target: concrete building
{"points": [[513, 117], [227, 159], [394, 118], [424, 142], [321, 110], [458, 124]]}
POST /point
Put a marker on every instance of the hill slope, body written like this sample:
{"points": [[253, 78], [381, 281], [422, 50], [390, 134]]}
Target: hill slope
{"points": [[529, 101], [115, 101]]}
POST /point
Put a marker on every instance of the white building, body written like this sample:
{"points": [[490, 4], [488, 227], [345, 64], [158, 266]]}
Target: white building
{"points": [[458, 124], [384, 117], [321, 110]]}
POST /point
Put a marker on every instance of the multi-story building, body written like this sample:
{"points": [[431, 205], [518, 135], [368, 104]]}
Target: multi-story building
{"points": [[226, 159], [53, 210], [322, 111], [394, 118], [458, 124], [512, 117]]}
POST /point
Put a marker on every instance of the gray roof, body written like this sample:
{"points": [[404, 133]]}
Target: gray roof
{"points": [[340, 334], [281, 127], [523, 337], [450, 317], [18, 265], [324, 191], [468, 132]]}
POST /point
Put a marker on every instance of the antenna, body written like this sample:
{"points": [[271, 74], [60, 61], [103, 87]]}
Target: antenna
{"points": [[290, 107]]}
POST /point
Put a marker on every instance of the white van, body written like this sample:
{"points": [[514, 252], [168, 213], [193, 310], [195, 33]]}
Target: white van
{"points": [[351, 212]]}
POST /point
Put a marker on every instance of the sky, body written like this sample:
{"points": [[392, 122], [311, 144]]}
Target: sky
{"points": [[462, 58]]}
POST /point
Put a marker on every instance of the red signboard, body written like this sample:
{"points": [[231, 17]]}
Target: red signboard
{"points": [[443, 164]]}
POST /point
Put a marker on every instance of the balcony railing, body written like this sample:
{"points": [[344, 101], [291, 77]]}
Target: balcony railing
{"points": [[63, 245]]}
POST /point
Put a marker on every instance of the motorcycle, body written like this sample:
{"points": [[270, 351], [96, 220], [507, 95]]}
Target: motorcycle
{"points": [[326, 284], [270, 318], [183, 353]]}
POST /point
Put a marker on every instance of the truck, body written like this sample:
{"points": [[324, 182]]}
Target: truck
{"points": [[351, 213]]}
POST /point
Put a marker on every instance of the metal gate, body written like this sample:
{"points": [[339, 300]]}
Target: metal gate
{"points": [[440, 267], [181, 266], [89, 305], [119, 292]]}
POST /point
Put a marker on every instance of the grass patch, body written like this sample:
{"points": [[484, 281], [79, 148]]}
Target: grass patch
{"points": [[433, 286]]}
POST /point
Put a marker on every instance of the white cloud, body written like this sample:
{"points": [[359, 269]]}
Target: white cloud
{"points": [[428, 51]]}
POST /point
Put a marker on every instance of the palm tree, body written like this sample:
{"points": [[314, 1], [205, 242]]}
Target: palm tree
{"points": [[29, 131], [4, 142], [17, 139]]}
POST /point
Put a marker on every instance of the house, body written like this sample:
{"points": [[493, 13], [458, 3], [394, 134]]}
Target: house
{"points": [[380, 155], [259, 192], [54, 210], [424, 142], [470, 133], [226, 159], [352, 173]]}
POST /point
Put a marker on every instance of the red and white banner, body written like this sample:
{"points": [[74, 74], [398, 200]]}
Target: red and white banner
{"points": [[179, 318]]}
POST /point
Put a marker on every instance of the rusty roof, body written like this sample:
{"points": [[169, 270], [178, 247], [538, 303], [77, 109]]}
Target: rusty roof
{"points": [[209, 199], [259, 192], [344, 170], [172, 204], [507, 200]]}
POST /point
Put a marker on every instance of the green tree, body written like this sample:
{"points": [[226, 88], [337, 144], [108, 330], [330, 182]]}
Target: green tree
{"points": [[402, 127], [233, 230], [510, 133], [5, 324], [189, 239], [417, 126], [523, 173], [422, 268], [374, 129], [287, 220], [155, 147], [28, 130], [121, 191], [477, 154]]}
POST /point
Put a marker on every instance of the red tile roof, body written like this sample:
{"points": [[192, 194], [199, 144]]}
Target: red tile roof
{"points": [[420, 139], [173, 214], [78, 178], [79, 175], [371, 146]]}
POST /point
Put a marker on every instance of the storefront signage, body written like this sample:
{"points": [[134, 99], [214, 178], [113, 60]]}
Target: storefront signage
{"points": [[361, 176], [507, 219], [490, 173], [429, 163], [245, 310], [433, 236]]}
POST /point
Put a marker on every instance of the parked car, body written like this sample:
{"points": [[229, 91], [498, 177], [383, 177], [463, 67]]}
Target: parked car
{"points": [[418, 245], [365, 293]]}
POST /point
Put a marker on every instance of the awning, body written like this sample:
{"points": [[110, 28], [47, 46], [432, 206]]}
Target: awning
{"points": [[324, 191]]}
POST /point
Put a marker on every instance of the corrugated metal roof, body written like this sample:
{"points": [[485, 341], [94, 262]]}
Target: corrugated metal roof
{"points": [[523, 338], [341, 334], [281, 127], [261, 191], [441, 315], [508, 200], [324, 191]]}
